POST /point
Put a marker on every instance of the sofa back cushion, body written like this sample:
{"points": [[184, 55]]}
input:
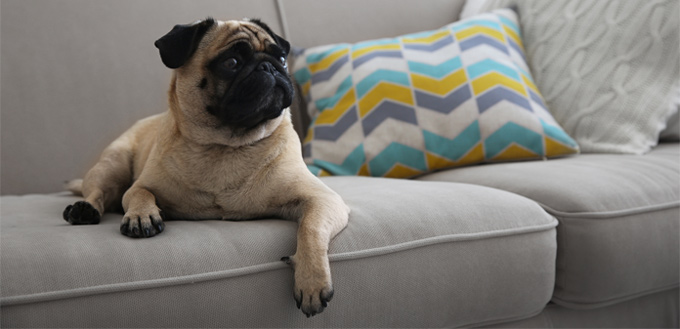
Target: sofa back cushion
{"points": [[608, 69]]}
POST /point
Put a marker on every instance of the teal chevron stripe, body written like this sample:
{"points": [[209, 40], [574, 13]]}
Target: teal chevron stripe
{"points": [[350, 166], [475, 23], [381, 75], [513, 133], [324, 103], [455, 148], [302, 75], [509, 23], [489, 65], [436, 71], [317, 57], [558, 134], [397, 153], [314, 169]]}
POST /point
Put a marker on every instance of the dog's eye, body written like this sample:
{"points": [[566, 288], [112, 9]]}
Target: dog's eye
{"points": [[231, 63], [283, 61]]}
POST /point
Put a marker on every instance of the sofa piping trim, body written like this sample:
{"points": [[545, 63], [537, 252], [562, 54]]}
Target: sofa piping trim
{"points": [[611, 214], [259, 268]]}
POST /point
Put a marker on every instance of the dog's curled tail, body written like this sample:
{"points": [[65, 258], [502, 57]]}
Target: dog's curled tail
{"points": [[75, 186]]}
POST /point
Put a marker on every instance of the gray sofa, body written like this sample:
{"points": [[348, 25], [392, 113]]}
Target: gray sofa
{"points": [[589, 240]]}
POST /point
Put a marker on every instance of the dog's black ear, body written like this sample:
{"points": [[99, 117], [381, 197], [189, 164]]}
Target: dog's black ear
{"points": [[177, 46], [283, 43]]}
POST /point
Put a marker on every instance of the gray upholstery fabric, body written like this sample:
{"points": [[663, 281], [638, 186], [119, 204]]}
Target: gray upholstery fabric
{"points": [[659, 310], [619, 219], [449, 254]]}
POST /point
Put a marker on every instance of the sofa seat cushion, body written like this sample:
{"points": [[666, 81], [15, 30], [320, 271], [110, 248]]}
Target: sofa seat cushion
{"points": [[450, 254], [619, 219]]}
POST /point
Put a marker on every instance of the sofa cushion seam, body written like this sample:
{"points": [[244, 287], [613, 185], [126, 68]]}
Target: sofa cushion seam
{"points": [[610, 213]]}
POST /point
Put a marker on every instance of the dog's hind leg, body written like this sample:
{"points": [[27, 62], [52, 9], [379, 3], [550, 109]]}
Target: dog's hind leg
{"points": [[104, 184]]}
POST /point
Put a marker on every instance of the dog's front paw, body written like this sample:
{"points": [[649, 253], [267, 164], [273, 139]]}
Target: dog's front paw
{"points": [[313, 288], [81, 213], [142, 225]]}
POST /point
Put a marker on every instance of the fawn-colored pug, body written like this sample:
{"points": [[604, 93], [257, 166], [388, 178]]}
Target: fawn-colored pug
{"points": [[225, 149]]}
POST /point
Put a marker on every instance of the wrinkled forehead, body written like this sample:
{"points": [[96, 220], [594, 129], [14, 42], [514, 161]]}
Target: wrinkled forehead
{"points": [[228, 33]]}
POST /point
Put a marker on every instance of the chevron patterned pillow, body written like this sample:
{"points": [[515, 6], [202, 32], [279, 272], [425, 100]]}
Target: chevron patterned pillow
{"points": [[409, 105]]}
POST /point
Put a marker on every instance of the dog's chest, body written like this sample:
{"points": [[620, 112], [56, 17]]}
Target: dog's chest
{"points": [[216, 185]]}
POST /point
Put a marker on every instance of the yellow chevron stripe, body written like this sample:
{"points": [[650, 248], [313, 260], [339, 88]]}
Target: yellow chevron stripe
{"points": [[382, 91], [330, 116], [439, 87], [328, 61], [363, 171], [324, 173], [511, 33], [364, 51], [305, 87], [493, 79], [555, 148], [310, 135], [428, 40], [515, 152], [401, 171], [436, 162], [530, 84], [480, 29], [473, 156]]}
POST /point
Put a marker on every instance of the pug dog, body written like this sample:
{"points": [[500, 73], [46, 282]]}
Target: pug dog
{"points": [[225, 149]]}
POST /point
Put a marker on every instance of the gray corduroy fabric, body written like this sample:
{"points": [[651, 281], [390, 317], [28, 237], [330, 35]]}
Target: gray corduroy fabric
{"points": [[619, 219], [414, 254]]}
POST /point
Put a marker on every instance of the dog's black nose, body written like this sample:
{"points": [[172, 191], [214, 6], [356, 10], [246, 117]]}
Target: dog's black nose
{"points": [[266, 66]]}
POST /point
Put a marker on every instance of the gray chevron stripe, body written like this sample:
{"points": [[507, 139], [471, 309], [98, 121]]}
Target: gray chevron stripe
{"points": [[385, 53], [482, 40], [307, 150], [499, 94], [444, 104], [386, 110], [431, 47], [537, 99], [329, 72], [333, 132]]}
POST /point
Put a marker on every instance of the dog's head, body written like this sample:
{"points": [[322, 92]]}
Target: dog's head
{"points": [[231, 84]]}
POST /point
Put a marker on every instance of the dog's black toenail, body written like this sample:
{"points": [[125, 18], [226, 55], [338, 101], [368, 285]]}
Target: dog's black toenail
{"points": [[160, 226], [147, 232], [298, 301], [324, 302], [124, 229]]}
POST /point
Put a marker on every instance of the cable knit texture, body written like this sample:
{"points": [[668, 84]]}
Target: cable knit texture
{"points": [[608, 69]]}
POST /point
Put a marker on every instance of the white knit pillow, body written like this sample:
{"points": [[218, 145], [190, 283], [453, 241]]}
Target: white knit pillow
{"points": [[608, 69]]}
